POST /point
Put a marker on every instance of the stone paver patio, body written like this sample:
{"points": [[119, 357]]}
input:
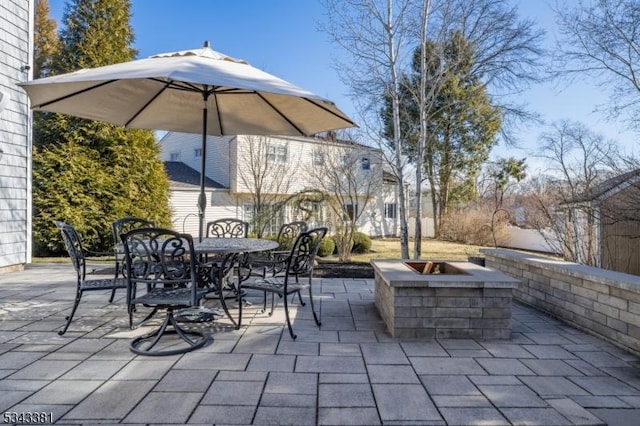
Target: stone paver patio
{"points": [[348, 372]]}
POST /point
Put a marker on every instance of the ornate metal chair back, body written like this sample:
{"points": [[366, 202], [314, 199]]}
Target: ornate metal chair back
{"points": [[303, 253], [126, 224], [74, 247], [290, 231], [227, 228], [160, 256]]}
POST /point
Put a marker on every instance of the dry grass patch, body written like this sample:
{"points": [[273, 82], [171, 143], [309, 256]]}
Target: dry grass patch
{"points": [[389, 248]]}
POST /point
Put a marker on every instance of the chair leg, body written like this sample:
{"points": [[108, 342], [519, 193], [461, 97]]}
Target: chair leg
{"points": [[132, 309], [299, 295], [69, 318], [273, 303], [154, 337], [115, 277], [235, 323], [286, 313], [239, 306], [315, 316], [299, 299]]}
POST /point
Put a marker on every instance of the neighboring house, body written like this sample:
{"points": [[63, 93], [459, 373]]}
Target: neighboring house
{"points": [[606, 221], [284, 166], [16, 35]]}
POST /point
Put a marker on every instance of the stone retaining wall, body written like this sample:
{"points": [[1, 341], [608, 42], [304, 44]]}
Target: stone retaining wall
{"points": [[604, 303]]}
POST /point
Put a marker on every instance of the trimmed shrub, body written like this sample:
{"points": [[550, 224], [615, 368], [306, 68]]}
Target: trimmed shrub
{"points": [[326, 247], [361, 243]]}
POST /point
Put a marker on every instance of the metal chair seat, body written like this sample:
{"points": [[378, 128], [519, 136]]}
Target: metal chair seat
{"points": [[276, 285], [77, 253], [103, 284]]}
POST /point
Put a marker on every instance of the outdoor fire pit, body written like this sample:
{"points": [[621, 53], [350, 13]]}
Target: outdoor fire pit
{"points": [[424, 299]]}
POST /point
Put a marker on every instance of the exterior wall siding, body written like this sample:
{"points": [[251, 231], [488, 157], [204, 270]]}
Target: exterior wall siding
{"points": [[16, 35], [184, 208], [229, 164], [620, 231], [185, 144], [373, 221]]}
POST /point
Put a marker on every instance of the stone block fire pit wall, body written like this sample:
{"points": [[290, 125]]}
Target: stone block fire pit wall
{"points": [[426, 300]]}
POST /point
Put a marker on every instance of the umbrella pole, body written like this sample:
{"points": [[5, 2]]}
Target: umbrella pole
{"points": [[202, 199]]}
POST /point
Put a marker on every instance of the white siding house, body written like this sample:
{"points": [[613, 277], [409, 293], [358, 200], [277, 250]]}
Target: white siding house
{"points": [[232, 164], [16, 38]]}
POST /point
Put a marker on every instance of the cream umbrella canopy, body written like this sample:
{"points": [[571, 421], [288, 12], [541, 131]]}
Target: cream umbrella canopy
{"points": [[192, 91]]}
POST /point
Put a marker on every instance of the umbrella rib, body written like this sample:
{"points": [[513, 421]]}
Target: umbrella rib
{"points": [[215, 100], [167, 84], [179, 85], [70, 95], [281, 114]]}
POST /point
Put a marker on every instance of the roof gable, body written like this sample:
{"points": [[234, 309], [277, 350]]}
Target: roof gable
{"points": [[610, 187], [184, 176]]}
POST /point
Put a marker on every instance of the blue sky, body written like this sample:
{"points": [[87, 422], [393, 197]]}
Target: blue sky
{"points": [[282, 38]]}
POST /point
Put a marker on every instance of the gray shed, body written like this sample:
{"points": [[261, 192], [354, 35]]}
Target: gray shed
{"points": [[613, 210]]}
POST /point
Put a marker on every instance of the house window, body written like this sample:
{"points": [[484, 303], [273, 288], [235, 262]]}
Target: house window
{"points": [[366, 164], [351, 211], [248, 212], [174, 156], [277, 153], [317, 214], [390, 210], [318, 158], [198, 152], [272, 218]]}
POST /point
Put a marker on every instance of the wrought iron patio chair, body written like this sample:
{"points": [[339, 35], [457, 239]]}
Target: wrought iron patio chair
{"points": [[299, 262], [262, 264], [122, 226], [77, 253], [164, 262], [230, 228], [227, 228]]}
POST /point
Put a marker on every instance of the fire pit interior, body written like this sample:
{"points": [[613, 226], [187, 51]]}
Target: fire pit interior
{"points": [[427, 267]]}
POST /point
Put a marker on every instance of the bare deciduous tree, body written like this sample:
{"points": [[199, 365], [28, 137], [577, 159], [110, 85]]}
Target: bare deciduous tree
{"points": [[600, 40], [349, 176], [381, 36], [375, 34], [578, 160], [267, 169]]}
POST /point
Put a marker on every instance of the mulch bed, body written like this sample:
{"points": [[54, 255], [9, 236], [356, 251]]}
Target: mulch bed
{"points": [[343, 270]]}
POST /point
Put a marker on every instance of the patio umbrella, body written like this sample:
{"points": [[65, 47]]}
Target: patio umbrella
{"points": [[192, 91]]}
